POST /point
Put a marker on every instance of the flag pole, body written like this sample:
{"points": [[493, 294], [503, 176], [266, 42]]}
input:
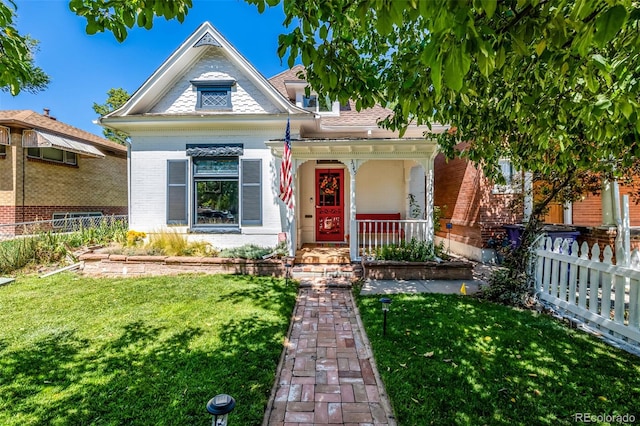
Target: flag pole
{"points": [[286, 187]]}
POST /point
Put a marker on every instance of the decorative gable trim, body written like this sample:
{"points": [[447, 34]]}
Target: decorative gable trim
{"points": [[213, 83], [215, 150], [207, 40]]}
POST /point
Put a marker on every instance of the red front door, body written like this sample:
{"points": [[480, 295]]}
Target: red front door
{"points": [[330, 205]]}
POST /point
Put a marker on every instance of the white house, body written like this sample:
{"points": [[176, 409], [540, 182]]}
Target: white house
{"points": [[207, 133]]}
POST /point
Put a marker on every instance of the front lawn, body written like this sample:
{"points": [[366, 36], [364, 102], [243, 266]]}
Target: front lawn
{"points": [[454, 360], [139, 351]]}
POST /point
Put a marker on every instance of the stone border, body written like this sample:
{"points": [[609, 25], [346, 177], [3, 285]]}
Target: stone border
{"points": [[399, 270], [104, 264]]}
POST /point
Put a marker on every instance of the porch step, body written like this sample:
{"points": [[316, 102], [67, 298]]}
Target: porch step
{"points": [[327, 271]]}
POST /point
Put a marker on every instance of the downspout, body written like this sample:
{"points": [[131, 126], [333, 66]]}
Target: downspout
{"points": [[128, 183], [24, 160]]}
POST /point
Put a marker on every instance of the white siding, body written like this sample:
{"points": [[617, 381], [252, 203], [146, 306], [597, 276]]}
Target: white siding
{"points": [[149, 157], [246, 98], [380, 187]]}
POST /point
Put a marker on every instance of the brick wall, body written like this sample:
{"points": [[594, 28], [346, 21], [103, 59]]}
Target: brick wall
{"points": [[94, 185], [474, 210], [94, 182], [588, 212], [7, 214], [7, 179]]}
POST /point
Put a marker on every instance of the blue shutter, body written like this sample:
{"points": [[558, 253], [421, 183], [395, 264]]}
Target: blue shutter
{"points": [[177, 195], [251, 192]]}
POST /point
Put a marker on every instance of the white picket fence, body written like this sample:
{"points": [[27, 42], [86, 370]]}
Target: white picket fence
{"points": [[603, 295]]}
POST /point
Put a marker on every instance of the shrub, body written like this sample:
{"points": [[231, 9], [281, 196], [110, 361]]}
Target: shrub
{"points": [[247, 251], [410, 251], [508, 287]]}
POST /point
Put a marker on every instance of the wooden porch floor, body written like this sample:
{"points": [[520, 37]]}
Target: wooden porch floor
{"points": [[323, 254]]}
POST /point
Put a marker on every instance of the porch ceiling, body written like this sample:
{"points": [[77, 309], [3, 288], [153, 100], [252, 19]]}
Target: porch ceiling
{"points": [[336, 149]]}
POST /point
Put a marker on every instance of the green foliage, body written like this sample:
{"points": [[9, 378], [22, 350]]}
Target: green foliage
{"points": [[46, 247], [115, 99], [508, 287], [247, 251], [117, 16], [17, 68], [453, 360], [139, 351], [513, 284], [551, 85], [413, 250]]}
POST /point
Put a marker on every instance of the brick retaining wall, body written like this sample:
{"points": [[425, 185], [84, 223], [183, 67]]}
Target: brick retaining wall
{"points": [[120, 265]]}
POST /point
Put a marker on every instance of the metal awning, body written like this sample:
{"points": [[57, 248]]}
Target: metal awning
{"points": [[40, 139]]}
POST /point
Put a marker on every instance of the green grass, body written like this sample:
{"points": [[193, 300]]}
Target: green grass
{"points": [[455, 360], [143, 351]]}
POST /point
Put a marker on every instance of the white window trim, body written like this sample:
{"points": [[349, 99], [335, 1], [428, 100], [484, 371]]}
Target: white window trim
{"points": [[513, 185], [214, 86], [49, 160], [301, 98], [5, 136]]}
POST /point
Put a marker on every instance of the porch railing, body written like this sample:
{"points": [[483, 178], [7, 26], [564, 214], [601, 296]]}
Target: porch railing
{"points": [[368, 235]]}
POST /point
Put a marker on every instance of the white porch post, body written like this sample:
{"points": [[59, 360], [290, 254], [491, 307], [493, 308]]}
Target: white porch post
{"points": [[353, 166], [427, 163], [608, 217], [429, 200]]}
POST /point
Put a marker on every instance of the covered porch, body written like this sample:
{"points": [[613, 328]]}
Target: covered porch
{"points": [[362, 194]]}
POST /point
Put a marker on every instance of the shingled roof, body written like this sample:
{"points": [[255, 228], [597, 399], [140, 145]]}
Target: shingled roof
{"points": [[349, 116], [28, 119]]}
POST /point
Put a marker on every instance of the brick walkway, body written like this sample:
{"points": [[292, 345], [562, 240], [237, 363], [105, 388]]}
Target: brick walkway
{"points": [[327, 375]]}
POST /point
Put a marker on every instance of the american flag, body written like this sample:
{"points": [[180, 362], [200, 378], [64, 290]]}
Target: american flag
{"points": [[286, 192]]}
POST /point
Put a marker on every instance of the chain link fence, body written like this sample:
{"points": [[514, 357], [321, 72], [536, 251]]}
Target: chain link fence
{"points": [[63, 224]]}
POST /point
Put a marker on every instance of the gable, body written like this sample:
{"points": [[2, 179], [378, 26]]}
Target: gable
{"points": [[205, 55], [213, 65]]}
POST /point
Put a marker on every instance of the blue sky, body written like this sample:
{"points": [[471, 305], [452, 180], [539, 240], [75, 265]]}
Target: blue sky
{"points": [[83, 68]]}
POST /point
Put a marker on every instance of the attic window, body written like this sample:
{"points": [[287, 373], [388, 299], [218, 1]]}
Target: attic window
{"points": [[214, 94], [312, 103]]}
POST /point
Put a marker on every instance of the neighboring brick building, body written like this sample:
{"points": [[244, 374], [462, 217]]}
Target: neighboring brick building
{"points": [[48, 167], [477, 210]]}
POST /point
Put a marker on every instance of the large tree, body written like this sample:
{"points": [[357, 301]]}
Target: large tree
{"points": [[116, 97], [17, 66], [553, 85]]}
